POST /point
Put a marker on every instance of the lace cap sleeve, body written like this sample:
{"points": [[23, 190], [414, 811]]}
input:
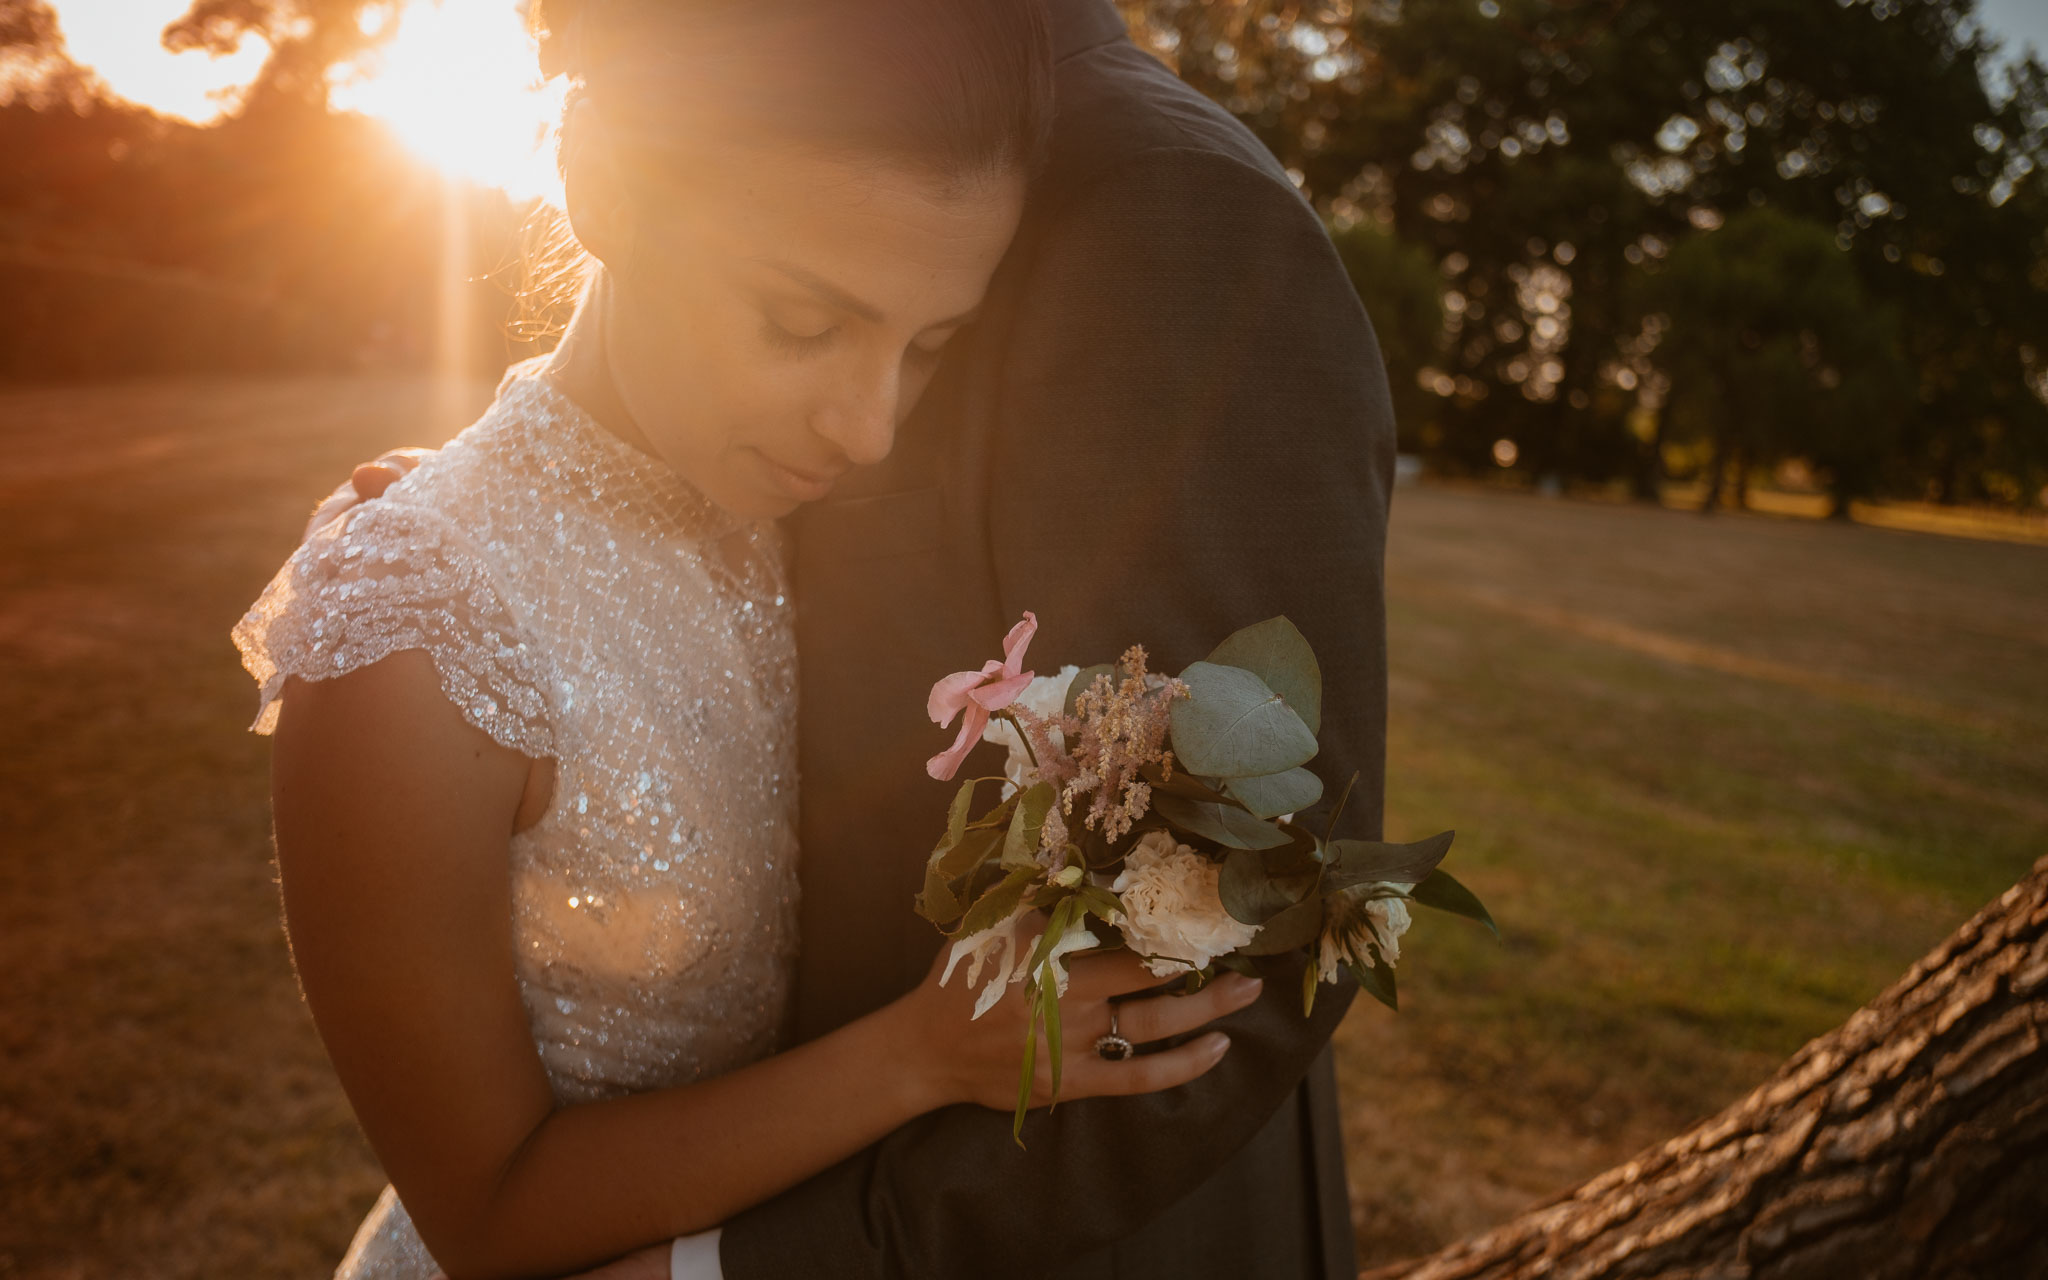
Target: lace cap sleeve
{"points": [[393, 577]]}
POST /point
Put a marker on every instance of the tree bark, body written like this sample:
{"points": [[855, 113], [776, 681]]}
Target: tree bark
{"points": [[1910, 1142]]}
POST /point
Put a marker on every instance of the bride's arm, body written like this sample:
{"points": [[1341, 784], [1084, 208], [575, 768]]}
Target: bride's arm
{"points": [[393, 815]]}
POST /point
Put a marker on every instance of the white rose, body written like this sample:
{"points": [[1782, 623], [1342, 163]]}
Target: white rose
{"points": [[1173, 913], [1045, 697]]}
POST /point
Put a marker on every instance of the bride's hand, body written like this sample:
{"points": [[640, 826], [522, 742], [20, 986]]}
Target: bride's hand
{"points": [[368, 481], [977, 1059]]}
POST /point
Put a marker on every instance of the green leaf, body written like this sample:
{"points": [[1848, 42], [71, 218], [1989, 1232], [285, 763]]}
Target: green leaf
{"points": [[1238, 964], [1356, 862], [1231, 725], [1276, 793], [1439, 890], [1225, 824], [1025, 1080], [1098, 902], [996, 905], [1049, 1006], [1252, 893], [1276, 652], [950, 871], [1298, 926], [1020, 846], [1083, 679], [956, 815], [1378, 981]]}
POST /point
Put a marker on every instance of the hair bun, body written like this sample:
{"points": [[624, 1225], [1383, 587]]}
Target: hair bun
{"points": [[554, 26]]}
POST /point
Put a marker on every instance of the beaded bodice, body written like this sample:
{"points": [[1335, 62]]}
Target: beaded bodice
{"points": [[581, 602]]}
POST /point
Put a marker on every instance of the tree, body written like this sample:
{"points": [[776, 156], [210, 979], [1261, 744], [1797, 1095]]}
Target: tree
{"points": [[1547, 150], [1773, 350], [1403, 294], [1910, 1143], [307, 39]]}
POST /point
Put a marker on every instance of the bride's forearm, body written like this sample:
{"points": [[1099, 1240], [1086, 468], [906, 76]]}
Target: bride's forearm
{"points": [[699, 1153]]}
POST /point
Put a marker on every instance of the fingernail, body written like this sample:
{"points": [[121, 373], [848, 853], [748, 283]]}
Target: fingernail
{"points": [[1218, 1043], [1249, 987]]}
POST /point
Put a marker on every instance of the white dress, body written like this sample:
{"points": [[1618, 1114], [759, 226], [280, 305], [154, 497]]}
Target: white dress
{"points": [[580, 601]]}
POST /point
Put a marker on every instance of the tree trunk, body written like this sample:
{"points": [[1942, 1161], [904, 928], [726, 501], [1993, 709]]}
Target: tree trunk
{"points": [[1715, 468], [1741, 478], [1910, 1142]]}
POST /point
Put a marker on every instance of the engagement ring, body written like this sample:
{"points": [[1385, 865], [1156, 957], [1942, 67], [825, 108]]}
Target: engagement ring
{"points": [[1113, 1047]]}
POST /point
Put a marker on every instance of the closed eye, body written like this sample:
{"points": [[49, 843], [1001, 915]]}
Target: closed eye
{"points": [[797, 343]]}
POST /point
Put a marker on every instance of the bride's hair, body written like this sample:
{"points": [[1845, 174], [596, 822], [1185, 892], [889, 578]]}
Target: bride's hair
{"points": [[960, 89]]}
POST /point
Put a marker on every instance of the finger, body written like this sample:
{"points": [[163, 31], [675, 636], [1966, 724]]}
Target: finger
{"points": [[372, 478], [1094, 1078], [1161, 1017], [1098, 975], [333, 506]]}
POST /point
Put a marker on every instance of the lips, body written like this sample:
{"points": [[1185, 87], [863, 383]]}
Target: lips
{"points": [[802, 485]]}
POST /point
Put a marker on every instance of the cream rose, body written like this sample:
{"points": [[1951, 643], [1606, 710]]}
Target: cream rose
{"points": [[1172, 912]]}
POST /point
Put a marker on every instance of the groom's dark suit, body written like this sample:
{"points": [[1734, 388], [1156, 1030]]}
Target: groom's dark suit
{"points": [[1171, 422]]}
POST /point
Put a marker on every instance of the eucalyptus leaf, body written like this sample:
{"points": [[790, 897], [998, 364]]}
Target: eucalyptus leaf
{"points": [[1232, 725], [1309, 983], [1183, 784], [1276, 652], [1276, 793], [1298, 926], [1438, 889], [1356, 862], [1252, 894], [1225, 824]]}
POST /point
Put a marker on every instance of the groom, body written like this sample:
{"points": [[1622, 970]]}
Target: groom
{"points": [[1172, 421]]}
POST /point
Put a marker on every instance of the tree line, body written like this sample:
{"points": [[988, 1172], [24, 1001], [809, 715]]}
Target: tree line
{"points": [[1642, 240]]}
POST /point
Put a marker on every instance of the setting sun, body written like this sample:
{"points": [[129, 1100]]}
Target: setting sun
{"points": [[457, 83]]}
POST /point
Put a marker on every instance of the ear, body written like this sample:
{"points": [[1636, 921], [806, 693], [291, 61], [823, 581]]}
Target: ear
{"points": [[594, 189]]}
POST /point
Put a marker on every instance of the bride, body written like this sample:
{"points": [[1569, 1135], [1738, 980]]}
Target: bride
{"points": [[534, 774]]}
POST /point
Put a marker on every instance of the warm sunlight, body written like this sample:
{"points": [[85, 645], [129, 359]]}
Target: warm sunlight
{"points": [[456, 82], [124, 45]]}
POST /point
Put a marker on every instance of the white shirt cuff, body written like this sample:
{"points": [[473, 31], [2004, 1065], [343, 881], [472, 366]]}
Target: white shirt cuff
{"points": [[695, 1257]]}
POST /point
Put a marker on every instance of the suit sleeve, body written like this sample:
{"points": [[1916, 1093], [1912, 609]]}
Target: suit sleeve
{"points": [[1196, 436]]}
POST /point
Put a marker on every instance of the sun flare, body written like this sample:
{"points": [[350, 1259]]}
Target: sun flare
{"points": [[457, 83]]}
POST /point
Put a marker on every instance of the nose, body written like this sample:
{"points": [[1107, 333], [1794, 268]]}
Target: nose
{"points": [[861, 417]]}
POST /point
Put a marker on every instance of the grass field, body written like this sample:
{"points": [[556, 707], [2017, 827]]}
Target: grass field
{"points": [[1720, 779]]}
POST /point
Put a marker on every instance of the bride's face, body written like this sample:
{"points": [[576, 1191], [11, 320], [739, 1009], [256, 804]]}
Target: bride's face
{"points": [[769, 331]]}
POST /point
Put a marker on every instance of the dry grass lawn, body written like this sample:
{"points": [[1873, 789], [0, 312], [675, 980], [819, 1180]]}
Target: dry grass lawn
{"points": [[1720, 779]]}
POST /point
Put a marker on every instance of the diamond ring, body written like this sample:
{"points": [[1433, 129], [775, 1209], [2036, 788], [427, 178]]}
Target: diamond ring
{"points": [[1113, 1047]]}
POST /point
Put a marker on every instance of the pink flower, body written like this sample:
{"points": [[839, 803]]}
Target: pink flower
{"points": [[979, 694]]}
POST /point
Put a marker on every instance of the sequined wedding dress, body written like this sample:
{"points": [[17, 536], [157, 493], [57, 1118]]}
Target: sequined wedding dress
{"points": [[580, 601]]}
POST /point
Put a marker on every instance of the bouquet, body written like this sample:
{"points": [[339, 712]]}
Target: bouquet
{"points": [[1162, 808]]}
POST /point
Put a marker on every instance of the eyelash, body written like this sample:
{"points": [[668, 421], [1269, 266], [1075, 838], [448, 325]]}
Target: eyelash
{"points": [[798, 344]]}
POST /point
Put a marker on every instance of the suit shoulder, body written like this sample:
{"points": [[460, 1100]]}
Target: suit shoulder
{"points": [[1119, 108]]}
